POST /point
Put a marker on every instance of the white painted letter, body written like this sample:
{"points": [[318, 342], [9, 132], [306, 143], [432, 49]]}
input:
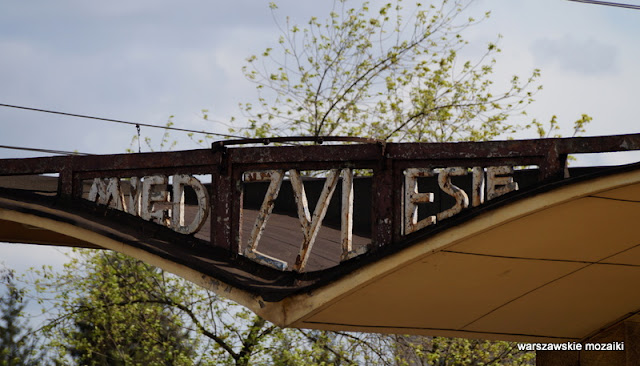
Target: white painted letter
{"points": [[251, 251], [412, 197], [134, 198], [311, 225], [444, 181], [107, 193], [477, 186], [346, 222], [155, 205], [498, 183], [177, 212]]}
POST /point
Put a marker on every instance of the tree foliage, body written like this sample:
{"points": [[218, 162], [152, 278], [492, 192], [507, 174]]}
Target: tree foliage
{"points": [[108, 313], [110, 309], [113, 310], [392, 73], [17, 345]]}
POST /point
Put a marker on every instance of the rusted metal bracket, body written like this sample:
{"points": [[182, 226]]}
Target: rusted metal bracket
{"points": [[319, 140]]}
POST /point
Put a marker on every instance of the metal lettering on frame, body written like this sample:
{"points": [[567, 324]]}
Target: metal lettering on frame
{"points": [[498, 182], [150, 199]]}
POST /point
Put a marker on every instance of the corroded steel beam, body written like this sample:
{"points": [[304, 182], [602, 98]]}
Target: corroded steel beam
{"points": [[395, 167]]}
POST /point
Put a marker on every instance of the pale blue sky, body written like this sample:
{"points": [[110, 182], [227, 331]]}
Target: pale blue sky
{"points": [[146, 60]]}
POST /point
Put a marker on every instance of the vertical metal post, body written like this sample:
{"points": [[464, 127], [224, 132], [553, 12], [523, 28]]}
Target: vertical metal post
{"points": [[555, 164], [220, 210], [235, 214], [383, 202], [65, 178]]}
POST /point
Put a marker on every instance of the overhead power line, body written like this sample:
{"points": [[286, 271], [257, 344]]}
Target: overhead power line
{"points": [[628, 6], [59, 152], [118, 121]]}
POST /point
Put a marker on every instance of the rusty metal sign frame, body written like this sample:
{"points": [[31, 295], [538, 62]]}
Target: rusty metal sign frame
{"points": [[388, 161]]}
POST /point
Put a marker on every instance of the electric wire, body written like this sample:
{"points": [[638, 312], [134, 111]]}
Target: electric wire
{"points": [[619, 5], [242, 139], [118, 121], [58, 152]]}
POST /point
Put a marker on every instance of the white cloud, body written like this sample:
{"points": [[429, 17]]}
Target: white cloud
{"points": [[142, 62], [588, 56]]}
